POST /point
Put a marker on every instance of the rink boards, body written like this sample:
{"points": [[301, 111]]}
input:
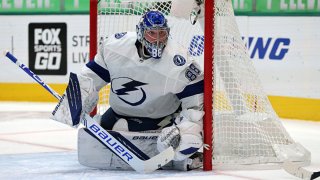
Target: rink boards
{"points": [[285, 51]]}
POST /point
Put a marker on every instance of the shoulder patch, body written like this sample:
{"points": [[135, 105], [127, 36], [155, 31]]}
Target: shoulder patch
{"points": [[179, 60], [120, 35]]}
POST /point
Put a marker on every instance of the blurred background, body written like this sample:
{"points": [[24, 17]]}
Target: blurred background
{"points": [[52, 38]]}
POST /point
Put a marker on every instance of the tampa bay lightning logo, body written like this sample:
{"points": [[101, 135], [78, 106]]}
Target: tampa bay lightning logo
{"points": [[120, 35], [179, 60], [129, 90]]}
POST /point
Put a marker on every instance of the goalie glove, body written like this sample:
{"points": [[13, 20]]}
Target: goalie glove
{"points": [[79, 98], [192, 10], [198, 13], [199, 2], [185, 137]]}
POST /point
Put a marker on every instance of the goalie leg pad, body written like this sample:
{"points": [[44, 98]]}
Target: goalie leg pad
{"points": [[92, 153]]}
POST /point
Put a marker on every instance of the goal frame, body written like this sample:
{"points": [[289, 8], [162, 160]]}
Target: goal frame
{"points": [[93, 32], [208, 72], [208, 84]]}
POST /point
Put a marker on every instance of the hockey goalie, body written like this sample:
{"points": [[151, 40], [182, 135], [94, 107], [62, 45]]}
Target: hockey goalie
{"points": [[156, 98]]}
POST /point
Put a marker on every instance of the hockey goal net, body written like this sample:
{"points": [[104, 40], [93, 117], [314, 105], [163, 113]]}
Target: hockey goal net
{"points": [[241, 129]]}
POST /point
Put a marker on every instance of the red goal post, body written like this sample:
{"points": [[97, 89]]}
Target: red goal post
{"points": [[93, 33], [208, 84]]}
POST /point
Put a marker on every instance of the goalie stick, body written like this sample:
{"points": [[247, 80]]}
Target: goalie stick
{"points": [[140, 165], [299, 171]]}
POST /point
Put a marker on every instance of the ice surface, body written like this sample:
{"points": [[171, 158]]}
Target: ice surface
{"points": [[34, 147]]}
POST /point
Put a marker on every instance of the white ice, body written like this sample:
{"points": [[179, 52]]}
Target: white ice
{"points": [[34, 147]]}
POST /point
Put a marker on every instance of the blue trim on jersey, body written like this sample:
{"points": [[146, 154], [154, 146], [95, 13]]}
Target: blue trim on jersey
{"points": [[188, 151], [190, 90], [100, 71]]}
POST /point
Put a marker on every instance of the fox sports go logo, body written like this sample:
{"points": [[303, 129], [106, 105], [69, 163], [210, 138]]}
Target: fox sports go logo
{"points": [[47, 46]]}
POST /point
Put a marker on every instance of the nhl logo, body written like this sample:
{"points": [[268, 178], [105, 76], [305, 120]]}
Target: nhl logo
{"points": [[120, 35], [179, 60]]}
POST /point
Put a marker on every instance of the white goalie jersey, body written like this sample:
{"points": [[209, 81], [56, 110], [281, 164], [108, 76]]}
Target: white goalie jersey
{"points": [[152, 88]]}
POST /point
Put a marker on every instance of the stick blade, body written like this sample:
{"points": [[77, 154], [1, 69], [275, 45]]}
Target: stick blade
{"points": [[156, 162], [315, 175], [4, 53], [297, 170]]}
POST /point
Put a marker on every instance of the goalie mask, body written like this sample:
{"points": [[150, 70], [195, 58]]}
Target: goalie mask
{"points": [[153, 33]]}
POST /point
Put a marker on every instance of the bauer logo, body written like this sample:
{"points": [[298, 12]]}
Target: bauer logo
{"points": [[48, 48]]}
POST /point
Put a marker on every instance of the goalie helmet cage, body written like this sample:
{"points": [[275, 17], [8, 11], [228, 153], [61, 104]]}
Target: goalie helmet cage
{"points": [[241, 129]]}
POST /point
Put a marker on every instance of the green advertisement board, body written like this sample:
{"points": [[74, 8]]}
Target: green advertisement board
{"points": [[29, 6], [43, 6], [288, 6], [76, 6], [277, 7], [242, 7]]}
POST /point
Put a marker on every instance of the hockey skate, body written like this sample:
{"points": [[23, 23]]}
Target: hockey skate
{"points": [[193, 162]]}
